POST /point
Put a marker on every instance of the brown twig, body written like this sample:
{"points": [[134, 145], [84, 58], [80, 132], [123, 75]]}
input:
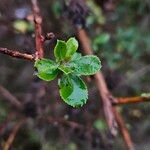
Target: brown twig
{"points": [[17, 54], [12, 136], [123, 130], [101, 84], [38, 30], [10, 98], [39, 39], [113, 118], [130, 100]]}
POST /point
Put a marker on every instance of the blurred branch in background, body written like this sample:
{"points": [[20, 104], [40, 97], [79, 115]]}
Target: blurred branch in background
{"points": [[123, 130], [10, 98], [99, 80], [13, 134]]}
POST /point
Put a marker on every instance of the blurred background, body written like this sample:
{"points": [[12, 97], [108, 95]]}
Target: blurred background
{"points": [[120, 37]]}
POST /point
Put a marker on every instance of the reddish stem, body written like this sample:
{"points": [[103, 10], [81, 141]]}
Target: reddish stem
{"points": [[123, 130], [17, 54], [100, 82], [38, 30], [130, 100]]}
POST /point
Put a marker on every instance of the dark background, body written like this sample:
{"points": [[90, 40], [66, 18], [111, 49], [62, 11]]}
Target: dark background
{"points": [[120, 35]]}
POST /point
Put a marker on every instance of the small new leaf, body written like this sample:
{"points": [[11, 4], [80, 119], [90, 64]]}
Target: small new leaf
{"points": [[87, 65], [60, 50], [73, 91], [47, 69], [76, 56], [65, 69], [72, 46]]}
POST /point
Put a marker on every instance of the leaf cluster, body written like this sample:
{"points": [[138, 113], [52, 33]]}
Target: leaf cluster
{"points": [[71, 65]]}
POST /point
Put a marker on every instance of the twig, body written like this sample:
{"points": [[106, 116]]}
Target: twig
{"points": [[130, 100], [10, 98], [39, 41], [38, 30], [101, 84], [12, 136], [17, 54], [123, 130]]}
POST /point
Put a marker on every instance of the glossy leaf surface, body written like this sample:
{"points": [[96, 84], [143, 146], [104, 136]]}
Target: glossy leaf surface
{"points": [[72, 46], [65, 69], [87, 65], [60, 50], [47, 69], [73, 91]]}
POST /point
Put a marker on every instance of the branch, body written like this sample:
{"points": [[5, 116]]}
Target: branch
{"points": [[101, 84], [130, 100], [123, 130], [10, 98], [39, 39], [38, 30], [12, 135], [17, 54]]}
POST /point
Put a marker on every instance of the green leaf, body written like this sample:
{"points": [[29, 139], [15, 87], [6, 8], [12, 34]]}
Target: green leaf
{"points": [[70, 66], [145, 95], [76, 56], [60, 50], [72, 46], [65, 69], [73, 90], [87, 65], [47, 69]]}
